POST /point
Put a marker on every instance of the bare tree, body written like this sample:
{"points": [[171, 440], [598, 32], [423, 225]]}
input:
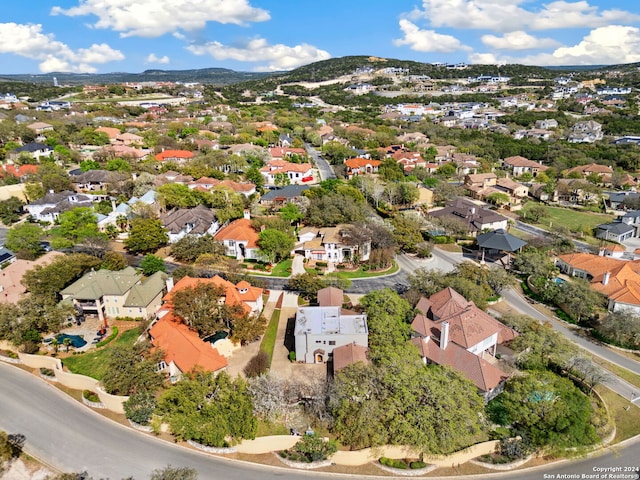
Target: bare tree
{"points": [[269, 394]]}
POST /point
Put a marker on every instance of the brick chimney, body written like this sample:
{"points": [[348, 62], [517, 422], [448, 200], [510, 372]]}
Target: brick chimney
{"points": [[605, 278]]}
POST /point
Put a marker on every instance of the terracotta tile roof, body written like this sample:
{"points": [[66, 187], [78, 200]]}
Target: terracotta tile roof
{"points": [[237, 187], [183, 347], [240, 229], [110, 131], [476, 369], [623, 284], [518, 161], [446, 302], [281, 152], [330, 297], [20, 171], [471, 326], [359, 162], [11, 288], [591, 168], [284, 166], [231, 291], [348, 355], [167, 154]]}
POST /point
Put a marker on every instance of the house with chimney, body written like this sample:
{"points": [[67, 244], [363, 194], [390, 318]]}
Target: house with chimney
{"points": [[240, 239], [183, 349], [49, 207], [475, 217], [321, 329], [110, 294], [518, 165], [617, 279], [197, 221], [296, 173], [450, 330], [332, 244]]}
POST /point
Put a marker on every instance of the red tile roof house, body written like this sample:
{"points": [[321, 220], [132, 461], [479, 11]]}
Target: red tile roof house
{"points": [[183, 349], [177, 156], [240, 239], [409, 160], [295, 171], [518, 165], [618, 280], [281, 153], [449, 330], [206, 183], [586, 170], [361, 166]]}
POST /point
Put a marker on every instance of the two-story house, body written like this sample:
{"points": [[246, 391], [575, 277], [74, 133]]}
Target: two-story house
{"points": [[518, 165], [449, 330], [35, 150], [319, 330], [333, 244], [47, 208], [297, 173], [240, 239], [618, 280], [475, 217], [196, 221], [123, 293]]}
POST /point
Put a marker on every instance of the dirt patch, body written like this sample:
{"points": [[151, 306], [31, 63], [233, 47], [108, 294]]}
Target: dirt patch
{"points": [[26, 470]]}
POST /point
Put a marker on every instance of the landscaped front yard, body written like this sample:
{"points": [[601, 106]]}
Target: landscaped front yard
{"points": [[94, 363]]}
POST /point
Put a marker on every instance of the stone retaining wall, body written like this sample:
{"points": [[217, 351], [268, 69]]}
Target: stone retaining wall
{"points": [[502, 466], [74, 381], [304, 465]]}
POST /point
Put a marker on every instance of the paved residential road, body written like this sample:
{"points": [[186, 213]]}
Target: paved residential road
{"points": [[323, 166], [70, 437]]}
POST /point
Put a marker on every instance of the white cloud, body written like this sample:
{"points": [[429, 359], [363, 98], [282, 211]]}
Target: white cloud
{"points": [[518, 41], [153, 58], [153, 18], [29, 41], [606, 45], [279, 56], [602, 46], [510, 15], [427, 40]]}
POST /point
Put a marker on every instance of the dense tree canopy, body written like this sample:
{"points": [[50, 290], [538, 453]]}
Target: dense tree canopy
{"points": [[213, 410], [548, 408], [397, 399], [146, 235]]}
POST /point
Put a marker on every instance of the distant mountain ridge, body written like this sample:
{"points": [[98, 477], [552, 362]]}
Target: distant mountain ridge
{"points": [[219, 76], [314, 72]]}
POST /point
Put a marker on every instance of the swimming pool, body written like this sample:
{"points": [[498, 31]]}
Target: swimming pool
{"points": [[559, 281], [76, 340]]}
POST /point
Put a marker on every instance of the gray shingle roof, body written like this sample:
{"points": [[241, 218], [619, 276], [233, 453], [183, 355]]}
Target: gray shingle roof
{"points": [[500, 240]]}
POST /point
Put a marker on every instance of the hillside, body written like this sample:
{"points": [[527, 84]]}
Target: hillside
{"points": [[217, 76]]}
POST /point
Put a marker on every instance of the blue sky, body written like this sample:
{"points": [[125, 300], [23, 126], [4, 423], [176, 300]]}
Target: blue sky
{"points": [[39, 36]]}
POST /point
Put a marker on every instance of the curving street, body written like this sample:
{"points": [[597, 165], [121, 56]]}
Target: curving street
{"points": [[70, 437]]}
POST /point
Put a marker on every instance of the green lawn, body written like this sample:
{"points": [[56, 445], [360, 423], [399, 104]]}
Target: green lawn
{"points": [[365, 273], [625, 414], [574, 220], [94, 362], [268, 342], [282, 269]]}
